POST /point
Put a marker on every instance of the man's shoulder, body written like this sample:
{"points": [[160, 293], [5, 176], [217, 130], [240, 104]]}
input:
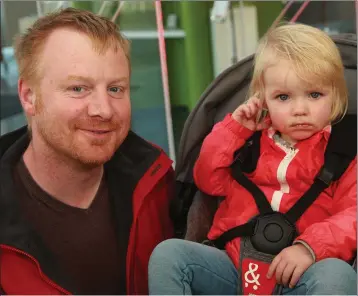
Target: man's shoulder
{"points": [[7, 140], [135, 150], [135, 145]]}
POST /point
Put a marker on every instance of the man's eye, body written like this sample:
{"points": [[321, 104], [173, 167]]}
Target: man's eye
{"points": [[315, 95], [77, 89], [283, 97], [115, 89]]}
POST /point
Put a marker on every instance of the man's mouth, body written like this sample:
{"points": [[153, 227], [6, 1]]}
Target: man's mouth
{"points": [[99, 131], [96, 132]]}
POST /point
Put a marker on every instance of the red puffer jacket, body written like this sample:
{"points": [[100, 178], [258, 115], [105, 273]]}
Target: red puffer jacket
{"points": [[24, 265], [328, 227]]}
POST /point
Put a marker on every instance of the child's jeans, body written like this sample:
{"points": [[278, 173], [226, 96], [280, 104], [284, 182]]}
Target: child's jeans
{"points": [[179, 267]]}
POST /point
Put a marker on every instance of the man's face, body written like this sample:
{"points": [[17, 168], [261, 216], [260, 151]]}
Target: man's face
{"points": [[82, 102]]}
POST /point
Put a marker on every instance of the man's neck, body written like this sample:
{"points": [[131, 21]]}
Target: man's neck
{"points": [[63, 179]]}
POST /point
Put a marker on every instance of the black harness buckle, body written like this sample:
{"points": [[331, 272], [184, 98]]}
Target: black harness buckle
{"points": [[272, 233]]}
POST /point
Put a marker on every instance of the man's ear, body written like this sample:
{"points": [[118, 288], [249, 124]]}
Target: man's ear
{"points": [[27, 96]]}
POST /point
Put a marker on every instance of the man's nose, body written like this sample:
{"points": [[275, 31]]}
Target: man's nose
{"points": [[100, 105]]}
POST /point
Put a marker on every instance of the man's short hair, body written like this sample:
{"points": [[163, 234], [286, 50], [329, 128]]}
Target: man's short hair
{"points": [[28, 47]]}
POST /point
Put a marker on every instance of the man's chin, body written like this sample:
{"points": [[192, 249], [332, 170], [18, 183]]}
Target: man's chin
{"points": [[94, 161], [94, 156]]}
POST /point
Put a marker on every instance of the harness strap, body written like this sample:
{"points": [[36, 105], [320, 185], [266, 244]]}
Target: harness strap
{"points": [[261, 201], [246, 229], [321, 182]]}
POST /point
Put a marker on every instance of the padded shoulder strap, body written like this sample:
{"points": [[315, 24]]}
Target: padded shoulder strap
{"points": [[245, 161], [343, 144], [249, 154]]}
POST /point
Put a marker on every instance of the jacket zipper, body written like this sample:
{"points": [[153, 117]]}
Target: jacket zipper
{"points": [[43, 276], [282, 169], [131, 263], [281, 176]]}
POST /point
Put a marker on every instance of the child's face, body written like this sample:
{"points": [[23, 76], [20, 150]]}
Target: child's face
{"points": [[296, 109]]}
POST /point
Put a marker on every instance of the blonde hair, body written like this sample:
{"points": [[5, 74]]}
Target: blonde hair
{"points": [[314, 56], [28, 47]]}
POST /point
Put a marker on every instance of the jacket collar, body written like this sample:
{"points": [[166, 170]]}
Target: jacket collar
{"points": [[325, 134]]}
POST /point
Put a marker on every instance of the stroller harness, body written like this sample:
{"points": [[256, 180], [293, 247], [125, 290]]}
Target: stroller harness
{"points": [[268, 233]]}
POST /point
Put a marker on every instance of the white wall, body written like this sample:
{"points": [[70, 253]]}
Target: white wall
{"points": [[246, 37]]}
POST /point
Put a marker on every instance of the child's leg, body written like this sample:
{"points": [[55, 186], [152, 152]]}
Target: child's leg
{"points": [[179, 267], [326, 277]]}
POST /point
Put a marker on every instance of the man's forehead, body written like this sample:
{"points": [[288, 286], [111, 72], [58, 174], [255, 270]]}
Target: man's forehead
{"points": [[79, 56], [68, 42]]}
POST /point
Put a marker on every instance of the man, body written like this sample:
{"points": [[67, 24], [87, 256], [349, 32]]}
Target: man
{"points": [[83, 200]]}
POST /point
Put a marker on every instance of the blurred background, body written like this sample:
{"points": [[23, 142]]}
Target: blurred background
{"points": [[202, 38]]}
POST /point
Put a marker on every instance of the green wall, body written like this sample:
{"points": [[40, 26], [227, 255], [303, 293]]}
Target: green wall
{"points": [[267, 11], [86, 5], [190, 63]]}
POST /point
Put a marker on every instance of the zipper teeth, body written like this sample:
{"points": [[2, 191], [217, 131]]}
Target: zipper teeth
{"points": [[284, 164], [45, 278]]}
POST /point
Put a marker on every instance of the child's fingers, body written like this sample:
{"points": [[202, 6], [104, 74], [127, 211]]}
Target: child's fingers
{"points": [[287, 273], [280, 270], [257, 102], [247, 111], [296, 276], [253, 109], [250, 107], [255, 105], [273, 266], [239, 110]]}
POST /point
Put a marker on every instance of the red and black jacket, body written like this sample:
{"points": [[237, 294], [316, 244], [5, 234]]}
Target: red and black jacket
{"points": [[140, 182]]}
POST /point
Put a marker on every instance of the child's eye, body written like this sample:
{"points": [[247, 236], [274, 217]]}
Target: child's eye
{"points": [[282, 97], [315, 95]]}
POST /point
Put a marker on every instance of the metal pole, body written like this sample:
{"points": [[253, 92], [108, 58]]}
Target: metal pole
{"points": [[299, 12], [234, 58], [282, 13], [164, 68], [39, 9], [116, 14], [242, 26], [102, 8]]}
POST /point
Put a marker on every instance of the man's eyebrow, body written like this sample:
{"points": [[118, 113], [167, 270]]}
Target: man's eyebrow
{"points": [[120, 79], [78, 77], [90, 80]]}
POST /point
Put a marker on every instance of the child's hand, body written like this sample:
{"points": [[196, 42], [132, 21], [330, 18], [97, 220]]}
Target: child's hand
{"points": [[290, 264], [246, 114]]}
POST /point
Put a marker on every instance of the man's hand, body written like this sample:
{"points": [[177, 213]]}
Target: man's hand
{"points": [[246, 114], [290, 264]]}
